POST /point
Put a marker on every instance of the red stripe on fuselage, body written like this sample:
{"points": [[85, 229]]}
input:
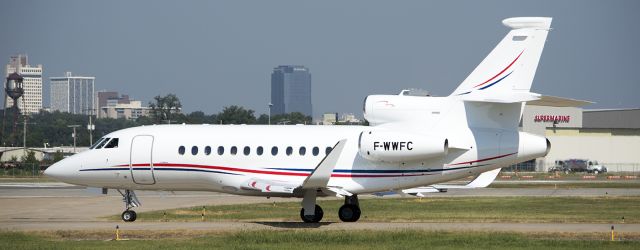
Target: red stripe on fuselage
{"points": [[481, 160], [266, 171]]}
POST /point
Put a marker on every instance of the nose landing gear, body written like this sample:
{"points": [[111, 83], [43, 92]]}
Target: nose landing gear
{"points": [[129, 216], [130, 201]]}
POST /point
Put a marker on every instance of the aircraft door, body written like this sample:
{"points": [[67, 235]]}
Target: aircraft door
{"points": [[141, 160]]}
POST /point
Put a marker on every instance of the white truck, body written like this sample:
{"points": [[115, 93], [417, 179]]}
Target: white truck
{"points": [[596, 168]]}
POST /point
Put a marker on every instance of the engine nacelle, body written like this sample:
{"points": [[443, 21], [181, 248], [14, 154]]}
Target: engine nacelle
{"points": [[380, 109], [391, 146], [532, 146]]}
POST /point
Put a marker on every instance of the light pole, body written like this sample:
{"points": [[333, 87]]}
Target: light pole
{"points": [[91, 127], [24, 132], [270, 105], [74, 136]]}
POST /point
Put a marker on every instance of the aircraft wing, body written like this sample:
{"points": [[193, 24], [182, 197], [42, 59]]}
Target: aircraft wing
{"points": [[321, 174], [483, 180], [269, 186], [317, 179]]}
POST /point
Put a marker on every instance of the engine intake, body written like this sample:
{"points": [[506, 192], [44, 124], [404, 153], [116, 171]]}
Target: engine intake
{"points": [[390, 146]]}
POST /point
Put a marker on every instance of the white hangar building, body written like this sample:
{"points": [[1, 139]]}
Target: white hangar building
{"points": [[608, 136]]}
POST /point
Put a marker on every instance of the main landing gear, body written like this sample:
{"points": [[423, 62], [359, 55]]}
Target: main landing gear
{"points": [[349, 212], [130, 201]]}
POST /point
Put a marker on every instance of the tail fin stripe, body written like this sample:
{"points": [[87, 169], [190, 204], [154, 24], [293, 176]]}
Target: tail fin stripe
{"points": [[505, 69], [496, 81]]}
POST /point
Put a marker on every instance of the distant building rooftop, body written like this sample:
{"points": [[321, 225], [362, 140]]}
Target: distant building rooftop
{"points": [[611, 118]]}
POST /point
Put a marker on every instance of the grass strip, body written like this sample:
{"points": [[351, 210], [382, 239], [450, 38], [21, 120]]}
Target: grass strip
{"points": [[440, 209], [313, 239]]}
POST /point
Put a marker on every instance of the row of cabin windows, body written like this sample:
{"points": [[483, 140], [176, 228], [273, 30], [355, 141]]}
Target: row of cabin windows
{"points": [[105, 143], [259, 150]]}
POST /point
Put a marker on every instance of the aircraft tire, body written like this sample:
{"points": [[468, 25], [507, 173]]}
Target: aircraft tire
{"points": [[129, 216], [349, 213], [317, 217]]}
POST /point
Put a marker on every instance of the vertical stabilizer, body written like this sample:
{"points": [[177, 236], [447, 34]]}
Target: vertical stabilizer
{"points": [[511, 66]]}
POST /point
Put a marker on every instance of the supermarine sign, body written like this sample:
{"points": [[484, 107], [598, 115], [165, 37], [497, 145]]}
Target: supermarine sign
{"points": [[552, 118]]}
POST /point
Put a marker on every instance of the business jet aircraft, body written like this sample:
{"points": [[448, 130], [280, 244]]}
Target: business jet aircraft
{"points": [[412, 141]]}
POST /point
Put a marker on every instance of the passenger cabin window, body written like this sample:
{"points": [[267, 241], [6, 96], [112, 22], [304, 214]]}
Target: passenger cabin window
{"points": [[194, 150], [247, 150], [181, 150], [234, 150], [327, 150], [207, 150], [259, 150], [289, 150], [113, 143], [274, 151], [315, 151], [302, 151], [220, 150]]}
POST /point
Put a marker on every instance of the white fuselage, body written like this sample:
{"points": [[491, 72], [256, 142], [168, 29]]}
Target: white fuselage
{"points": [[154, 160]]}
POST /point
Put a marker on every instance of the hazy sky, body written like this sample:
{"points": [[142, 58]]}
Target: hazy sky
{"points": [[219, 53]]}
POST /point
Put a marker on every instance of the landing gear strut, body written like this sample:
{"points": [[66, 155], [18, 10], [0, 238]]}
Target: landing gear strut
{"points": [[350, 211], [130, 201], [310, 212]]}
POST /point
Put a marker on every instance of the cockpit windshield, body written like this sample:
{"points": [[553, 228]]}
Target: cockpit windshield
{"points": [[99, 146], [112, 144], [97, 143]]}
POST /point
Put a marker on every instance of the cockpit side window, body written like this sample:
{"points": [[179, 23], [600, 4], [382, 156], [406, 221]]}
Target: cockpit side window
{"points": [[96, 143], [112, 144], [99, 146]]}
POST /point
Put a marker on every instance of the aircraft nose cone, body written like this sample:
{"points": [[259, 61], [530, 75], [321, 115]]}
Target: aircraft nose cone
{"points": [[63, 170], [54, 171]]}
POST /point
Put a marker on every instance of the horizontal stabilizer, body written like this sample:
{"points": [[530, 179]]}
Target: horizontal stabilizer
{"points": [[510, 97], [553, 101], [529, 97]]}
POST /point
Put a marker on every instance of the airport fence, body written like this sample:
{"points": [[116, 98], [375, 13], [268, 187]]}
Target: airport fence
{"points": [[21, 170], [532, 166]]}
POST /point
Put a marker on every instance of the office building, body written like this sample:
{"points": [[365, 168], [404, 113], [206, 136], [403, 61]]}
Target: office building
{"points": [[114, 106], [329, 118], [31, 101], [291, 90], [73, 94]]}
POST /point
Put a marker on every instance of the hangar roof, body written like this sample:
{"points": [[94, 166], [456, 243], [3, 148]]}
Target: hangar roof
{"points": [[611, 118]]}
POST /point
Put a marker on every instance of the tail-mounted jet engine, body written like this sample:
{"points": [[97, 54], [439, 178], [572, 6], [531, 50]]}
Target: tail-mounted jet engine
{"points": [[390, 146]]}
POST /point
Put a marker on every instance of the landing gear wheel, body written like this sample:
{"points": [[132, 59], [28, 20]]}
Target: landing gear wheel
{"points": [[349, 213], [129, 216], [317, 217]]}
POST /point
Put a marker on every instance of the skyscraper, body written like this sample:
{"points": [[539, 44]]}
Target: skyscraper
{"points": [[73, 94], [31, 101], [291, 90]]}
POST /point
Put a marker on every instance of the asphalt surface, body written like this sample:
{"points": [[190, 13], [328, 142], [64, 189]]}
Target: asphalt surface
{"points": [[58, 206]]}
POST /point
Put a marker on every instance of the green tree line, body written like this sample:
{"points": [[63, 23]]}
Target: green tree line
{"points": [[53, 128]]}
